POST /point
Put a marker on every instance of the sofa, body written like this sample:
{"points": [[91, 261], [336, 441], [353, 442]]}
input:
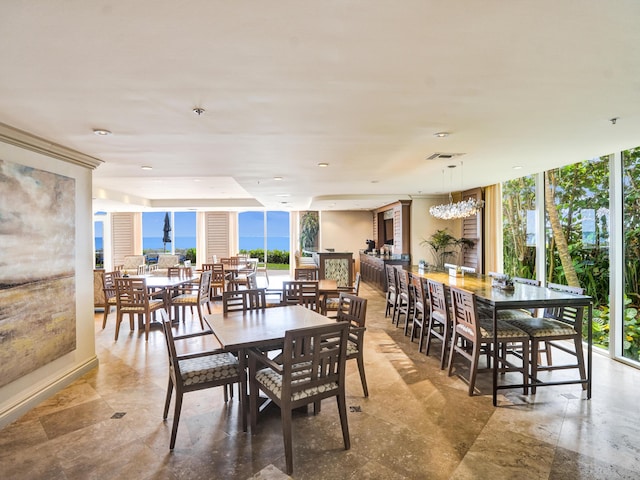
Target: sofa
{"points": [[165, 260], [132, 264]]}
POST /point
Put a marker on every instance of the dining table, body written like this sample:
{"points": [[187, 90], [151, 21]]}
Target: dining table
{"points": [[164, 285], [239, 331], [522, 296]]}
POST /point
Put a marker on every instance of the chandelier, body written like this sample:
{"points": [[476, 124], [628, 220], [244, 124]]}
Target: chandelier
{"points": [[462, 209]]}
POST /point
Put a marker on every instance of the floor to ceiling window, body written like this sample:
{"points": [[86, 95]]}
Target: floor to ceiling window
{"points": [[519, 218], [169, 232], [631, 239], [577, 234], [265, 231]]}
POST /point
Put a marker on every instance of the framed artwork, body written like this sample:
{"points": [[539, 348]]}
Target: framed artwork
{"points": [[37, 269]]}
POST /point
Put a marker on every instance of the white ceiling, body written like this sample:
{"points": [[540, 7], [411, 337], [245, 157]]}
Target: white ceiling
{"points": [[286, 84]]}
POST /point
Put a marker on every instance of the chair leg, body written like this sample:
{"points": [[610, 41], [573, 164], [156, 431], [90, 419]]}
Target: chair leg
{"points": [[176, 419], [285, 413], [342, 410], [118, 322], [525, 366], [580, 358], [201, 315], [107, 310], [363, 379], [168, 400], [452, 352], [445, 338], [473, 369], [534, 363]]}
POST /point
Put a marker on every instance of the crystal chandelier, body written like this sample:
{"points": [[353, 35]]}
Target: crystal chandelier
{"points": [[462, 209]]}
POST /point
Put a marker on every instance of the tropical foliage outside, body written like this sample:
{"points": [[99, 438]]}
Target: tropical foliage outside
{"points": [[577, 241]]}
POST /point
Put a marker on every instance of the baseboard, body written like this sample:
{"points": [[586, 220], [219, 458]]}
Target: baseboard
{"points": [[14, 412]]}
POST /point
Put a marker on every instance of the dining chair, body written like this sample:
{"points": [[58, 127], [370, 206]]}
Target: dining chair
{"points": [[556, 324], [392, 290], [420, 309], [331, 303], [299, 292], [439, 319], [263, 267], [353, 309], [218, 279], [189, 372], [243, 300], [197, 296], [472, 335], [405, 300], [134, 298], [241, 279], [312, 368], [305, 274], [109, 289]]}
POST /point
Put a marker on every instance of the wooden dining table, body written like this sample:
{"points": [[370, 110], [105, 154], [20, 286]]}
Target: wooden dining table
{"points": [[265, 328], [163, 285], [521, 297]]}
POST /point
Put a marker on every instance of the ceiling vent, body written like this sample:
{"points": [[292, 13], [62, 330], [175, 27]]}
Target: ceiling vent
{"points": [[443, 156]]}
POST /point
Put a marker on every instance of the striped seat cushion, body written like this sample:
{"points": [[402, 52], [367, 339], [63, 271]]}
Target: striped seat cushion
{"points": [[543, 327], [152, 305], [505, 329], [185, 298], [512, 314]]}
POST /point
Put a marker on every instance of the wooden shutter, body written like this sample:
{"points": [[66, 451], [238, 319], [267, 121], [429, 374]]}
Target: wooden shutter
{"points": [[217, 234], [122, 232], [472, 229]]}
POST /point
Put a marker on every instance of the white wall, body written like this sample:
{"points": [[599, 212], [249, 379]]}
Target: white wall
{"points": [[24, 393], [346, 231]]}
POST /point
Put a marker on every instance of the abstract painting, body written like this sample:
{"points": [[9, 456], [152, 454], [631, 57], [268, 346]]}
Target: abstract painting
{"points": [[37, 269]]}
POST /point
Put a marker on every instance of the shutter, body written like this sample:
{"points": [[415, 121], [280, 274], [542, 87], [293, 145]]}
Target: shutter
{"points": [[122, 236], [217, 235], [472, 229]]}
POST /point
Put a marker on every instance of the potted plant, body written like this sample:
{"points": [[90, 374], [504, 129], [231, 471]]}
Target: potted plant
{"points": [[445, 247]]}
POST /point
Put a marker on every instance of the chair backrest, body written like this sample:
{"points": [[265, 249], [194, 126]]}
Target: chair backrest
{"points": [[301, 292], [174, 272], [465, 318], [209, 266], [141, 269], [132, 293], [352, 309], [306, 274], [243, 300], [437, 300], [403, 283], [109, 284], [567, 314], [252, 281], [217, 274], [312, 357], [420, 296], [392, 278], [527, 281], [356, 283], [204, 288]]}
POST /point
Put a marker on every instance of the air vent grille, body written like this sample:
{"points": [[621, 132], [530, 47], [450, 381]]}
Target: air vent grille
{"points": [[443, 156]]}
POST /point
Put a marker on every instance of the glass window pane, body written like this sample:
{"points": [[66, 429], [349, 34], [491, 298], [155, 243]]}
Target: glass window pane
{"points": [[577, 226], [519, 227], [631, 235]]}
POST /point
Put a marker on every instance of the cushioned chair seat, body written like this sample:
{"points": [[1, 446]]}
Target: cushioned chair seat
{"points": [[544, 327], [209, 368], [505, 329], [152, 304], [272, 381], [512, 314]]}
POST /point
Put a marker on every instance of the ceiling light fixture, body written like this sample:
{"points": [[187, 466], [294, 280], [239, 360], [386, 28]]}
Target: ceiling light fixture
{"points": [[277, 179], [461, 209], [517, 167], [101, 132], [146, 167], [323, 164], [198, 111], [441, 134]]}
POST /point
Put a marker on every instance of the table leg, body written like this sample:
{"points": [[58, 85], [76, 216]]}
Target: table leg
{"points": [[495, 357], [242, 363]]}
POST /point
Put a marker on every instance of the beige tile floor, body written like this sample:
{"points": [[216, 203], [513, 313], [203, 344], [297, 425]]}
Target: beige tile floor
{"points": [[418, 423]]}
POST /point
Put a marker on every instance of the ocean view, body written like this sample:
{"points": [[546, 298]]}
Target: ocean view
{"points": [[246, 243]]}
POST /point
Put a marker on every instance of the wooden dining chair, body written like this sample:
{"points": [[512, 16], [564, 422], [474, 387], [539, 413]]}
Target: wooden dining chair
{"points": [[472, 336], [331, 302], [303, 293], [197, 296], [353, 309], [109, 289], [392, 291], [420, 309], [439, 319], [312, 368], [243, 300], [306, 274], [189, 372], [218, 280], [134, 298], [405, 300], [556, 324]]}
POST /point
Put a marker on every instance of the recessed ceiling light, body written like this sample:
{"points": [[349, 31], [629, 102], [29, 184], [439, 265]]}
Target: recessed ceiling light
{"points": [[323, 164], [374, 181], [441, 134], [518, 167], [277, 179], [283, 195], [101, 132], [198, 111], [146, 167]]}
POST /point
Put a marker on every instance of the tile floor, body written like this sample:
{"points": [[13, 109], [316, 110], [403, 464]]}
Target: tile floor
{"points": [[418, 423]]}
